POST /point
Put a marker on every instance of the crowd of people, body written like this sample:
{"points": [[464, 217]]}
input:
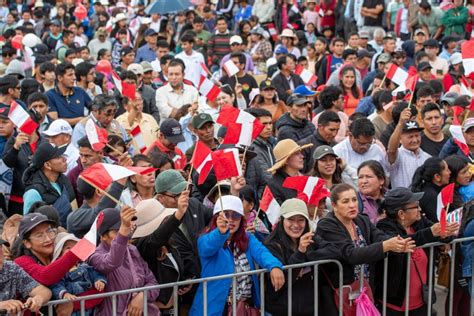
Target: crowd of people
{"points": [[318, 77]]}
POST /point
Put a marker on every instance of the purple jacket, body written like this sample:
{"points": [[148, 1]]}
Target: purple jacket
{"points": [[124, 268]]}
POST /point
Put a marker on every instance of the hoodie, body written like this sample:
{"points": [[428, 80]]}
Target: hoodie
{"points": [[287, 127]]}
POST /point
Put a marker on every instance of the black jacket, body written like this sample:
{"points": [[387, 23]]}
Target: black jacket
{"points": [[427, 202], [317, 141], [397, 262], [280, 193], [287, 127], [256, 173], [282, 85]]}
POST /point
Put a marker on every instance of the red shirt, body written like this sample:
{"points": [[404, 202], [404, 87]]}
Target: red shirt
{"points": [[178, 157]]}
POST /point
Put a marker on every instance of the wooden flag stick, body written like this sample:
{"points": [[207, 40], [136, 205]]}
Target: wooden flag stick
{"points": [[256, 216], [113, 149], [102, 191], [383, 80], [189, 177], [411, 98], [220, 198], [243, 157], [314, 218]]}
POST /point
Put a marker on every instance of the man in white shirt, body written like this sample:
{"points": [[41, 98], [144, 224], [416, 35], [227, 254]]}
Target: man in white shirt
{"points": [[404, 160], [175, 94], [440, 65], [60, 134], [360, 145], [192, 59], [100, 42]]}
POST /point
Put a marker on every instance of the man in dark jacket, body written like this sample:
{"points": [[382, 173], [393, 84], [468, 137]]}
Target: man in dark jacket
{"points": [[452, 148], [286, 80], [263, 147], [295, 124], [44, 181]]}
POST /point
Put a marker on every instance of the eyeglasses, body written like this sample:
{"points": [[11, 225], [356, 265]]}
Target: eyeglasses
{"points": [[232, 215], [50, 233], [417, 207], [368, 144], [173, 196], [110, 112]]}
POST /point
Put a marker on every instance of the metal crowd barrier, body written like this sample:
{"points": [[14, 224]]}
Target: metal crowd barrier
{"points": [[289, 269]]}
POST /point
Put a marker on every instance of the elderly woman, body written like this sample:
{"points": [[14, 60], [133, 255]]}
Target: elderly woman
{"points": [[372, 185], [226, 248]]}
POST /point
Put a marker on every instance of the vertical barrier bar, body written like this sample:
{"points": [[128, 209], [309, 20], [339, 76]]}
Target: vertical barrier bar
{"points": [[430, 281], [262, 294], [175, 300], [204, 297], [471, 306], [384, 294], [114, 305], [50, 310], [83, 307], [341, 290], [290, 289], [451, 279], [145, 303], [316, 289], [407, 287], [234, 296]]}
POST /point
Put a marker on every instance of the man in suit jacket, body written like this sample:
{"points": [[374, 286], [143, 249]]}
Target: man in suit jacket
{"points": [[286, 80]]}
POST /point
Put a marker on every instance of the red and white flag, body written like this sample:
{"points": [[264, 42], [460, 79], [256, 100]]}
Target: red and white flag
{"points": [[445, 197], [138, 138], [310, 189], [458, 137], [464, 86], [87, 245], [205, 71], [308, 77], [270, 206], [96, 135], [230, 68], [455, 216], [103, 174], [319, 10], [20, 117], [467, 52], [226, 163], [202, 161], [397, 75], [117, 81], [242, 127], [208, 88], [129, 90], [273, 31]]}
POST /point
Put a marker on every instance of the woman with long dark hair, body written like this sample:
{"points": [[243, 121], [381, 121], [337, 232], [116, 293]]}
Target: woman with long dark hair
{"points": [[430, 178], [372, 184], [268, 100], [460, 175], [225, 248], [352, 93]]}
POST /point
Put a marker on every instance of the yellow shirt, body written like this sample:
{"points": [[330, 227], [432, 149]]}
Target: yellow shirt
{"points": [[148, 126]]}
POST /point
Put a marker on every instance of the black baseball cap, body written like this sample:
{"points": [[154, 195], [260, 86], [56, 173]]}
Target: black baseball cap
{"points": [[200, 119], [125, 51], [397, 198], [40, 49], [424, 65], [431, 43], [266, 84], [46, 152], [411, 126], [30, 221], [172, 130], [110, 221], [4, 110]]}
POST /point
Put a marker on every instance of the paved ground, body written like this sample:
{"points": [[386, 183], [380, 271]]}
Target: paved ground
{"points": [[441, 294]]}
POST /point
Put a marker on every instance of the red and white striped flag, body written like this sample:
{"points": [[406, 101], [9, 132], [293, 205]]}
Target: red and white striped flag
{"points": [[242, 127], [96, 135], [230, 68], [205, 71], [87, 245], [445, 197], [310, 189], [202, 161], [397, 75], [308, 77], [117, 81], [208, 88], [458, 137], [20, 117], [273, 31], [467, 52], [270, 206], [103, 174], [138, 138], [319, 10], [226, 163], [464, 86]]}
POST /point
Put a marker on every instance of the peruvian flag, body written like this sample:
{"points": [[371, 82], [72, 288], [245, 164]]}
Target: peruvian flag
{"points": [[109, 26], [464, 87], [310, 189], [457, 110], [397, 75], [308, 77], [455, 216], [138, 138], [242, 127], [445, 197], [230, 68], [273, 32], [202, 161], [97, 136], [226, 163], [319, 11], [458, 137], [20, 117], [117, 81], [129, 90], [208, 89], [467, 52], [205, 70], [103, 174], [270, 206], [87, 245]]}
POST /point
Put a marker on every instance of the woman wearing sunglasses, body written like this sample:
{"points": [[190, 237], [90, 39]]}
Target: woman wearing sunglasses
{"points": [[226, 248]]}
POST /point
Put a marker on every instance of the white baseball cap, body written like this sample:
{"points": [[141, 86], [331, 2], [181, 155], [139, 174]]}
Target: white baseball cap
{"points": [[235, 39], [57, 127], [229, 203]]}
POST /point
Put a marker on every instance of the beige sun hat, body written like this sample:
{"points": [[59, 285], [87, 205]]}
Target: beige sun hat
{"points": [[283, 150], [287, 33], [150, 215]]}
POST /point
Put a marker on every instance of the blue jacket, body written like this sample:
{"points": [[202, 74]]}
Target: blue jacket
{"points": [[217, 260], [77, 281], [466, 249], [451, 148]]}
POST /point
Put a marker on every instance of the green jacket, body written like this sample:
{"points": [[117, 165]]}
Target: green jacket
{"points": [[455, 20]]}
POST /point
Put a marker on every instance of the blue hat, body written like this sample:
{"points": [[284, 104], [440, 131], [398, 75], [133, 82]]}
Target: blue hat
{"points": [[281, 50], [304, 91], [150, 32]]}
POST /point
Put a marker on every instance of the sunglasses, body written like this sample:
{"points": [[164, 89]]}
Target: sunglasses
{"points": [[232, 215]]}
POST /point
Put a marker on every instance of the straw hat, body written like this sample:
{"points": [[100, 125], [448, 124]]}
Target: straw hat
{"points": [[287, 33], [150, 215], [283, 150]]}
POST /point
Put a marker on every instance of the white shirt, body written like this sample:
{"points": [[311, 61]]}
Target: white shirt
{"points": [[156, 65], [344, 150], [193, 68], [404, 167], [72, 154], [168, 99]]}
